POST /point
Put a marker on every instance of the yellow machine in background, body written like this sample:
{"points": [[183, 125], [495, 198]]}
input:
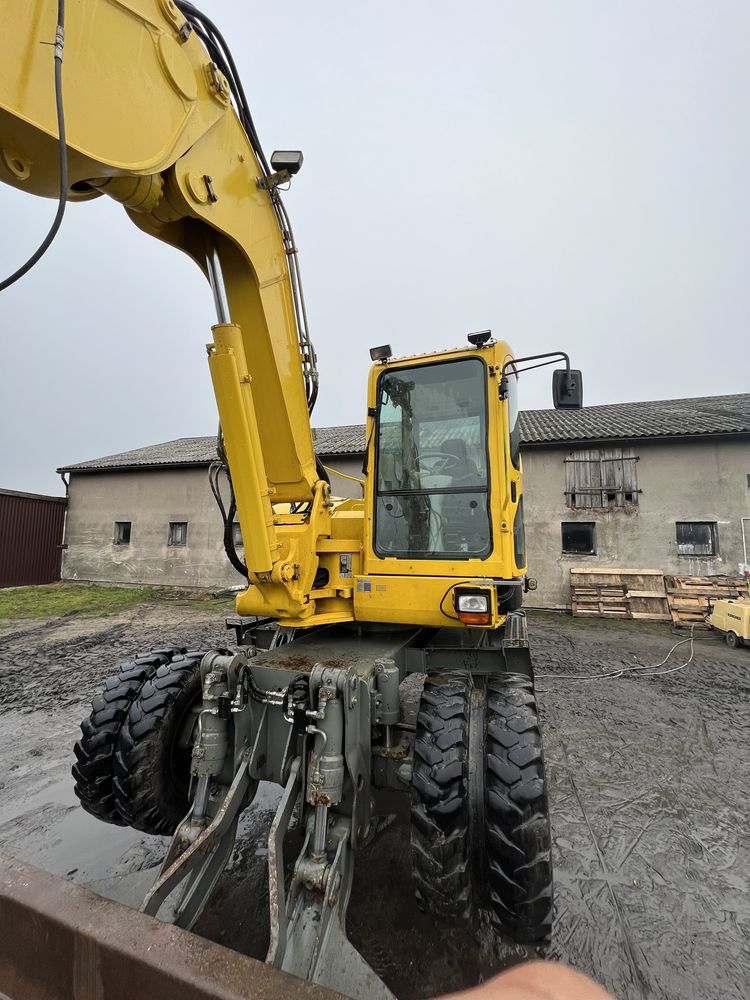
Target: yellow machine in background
{"points": [[732, 618], [344, 597]]}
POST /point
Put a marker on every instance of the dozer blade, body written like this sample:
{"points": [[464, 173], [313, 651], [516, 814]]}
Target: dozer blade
{"points": [[60, 941]]}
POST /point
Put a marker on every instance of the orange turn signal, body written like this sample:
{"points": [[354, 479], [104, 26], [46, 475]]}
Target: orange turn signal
{"points": [[474, 617]]}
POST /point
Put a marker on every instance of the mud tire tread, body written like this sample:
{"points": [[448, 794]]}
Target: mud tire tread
{"points": [[517, 813], [145, 791], [439, 809], [93, 770]]}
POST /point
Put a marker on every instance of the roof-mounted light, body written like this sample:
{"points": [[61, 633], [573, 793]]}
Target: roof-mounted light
{"points": [[480, 338], [381, 353]]}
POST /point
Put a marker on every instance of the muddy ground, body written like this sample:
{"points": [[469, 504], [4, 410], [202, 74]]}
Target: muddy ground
{"points": [[648, 776]]}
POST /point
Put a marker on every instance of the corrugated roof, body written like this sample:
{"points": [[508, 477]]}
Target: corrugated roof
{"points": [[703, 415], [632, 421], [346, 440]]}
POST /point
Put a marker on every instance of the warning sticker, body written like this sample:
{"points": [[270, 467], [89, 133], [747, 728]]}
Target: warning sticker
{"points": [[364, 586]]}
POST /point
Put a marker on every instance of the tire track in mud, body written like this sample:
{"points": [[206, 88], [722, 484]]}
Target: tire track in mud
{"points": [[648, 786], [659, 767]]}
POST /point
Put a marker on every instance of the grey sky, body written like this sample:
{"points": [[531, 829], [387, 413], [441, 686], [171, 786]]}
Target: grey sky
{"points": [[572, 175]]}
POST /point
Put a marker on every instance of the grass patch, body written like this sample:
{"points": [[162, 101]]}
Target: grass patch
{"points": [[56, 599]]}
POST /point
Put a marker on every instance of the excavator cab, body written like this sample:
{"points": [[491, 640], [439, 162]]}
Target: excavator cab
{"points": [[444, 491]]}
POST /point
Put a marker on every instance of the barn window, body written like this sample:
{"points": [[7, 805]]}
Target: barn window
{"points": [[579, 537], [236, 534], [601, 478], [122, 533], [178, 532], [697, 538]]}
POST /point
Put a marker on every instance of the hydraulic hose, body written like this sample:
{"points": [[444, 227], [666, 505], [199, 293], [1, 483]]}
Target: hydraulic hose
{"points": [[63, 195]]}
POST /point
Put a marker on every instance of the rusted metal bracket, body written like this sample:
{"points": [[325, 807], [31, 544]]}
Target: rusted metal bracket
{"points": [[202, 862], [276, 889], [314, 944]]}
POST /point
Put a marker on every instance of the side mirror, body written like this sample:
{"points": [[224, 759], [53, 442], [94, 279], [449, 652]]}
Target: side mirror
{"points": [[567, 389]]}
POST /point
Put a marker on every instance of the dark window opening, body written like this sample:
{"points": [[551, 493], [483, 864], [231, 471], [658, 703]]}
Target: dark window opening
{"points": [[697, 538], [237, 533], [122, 532], [579, 537], [178, 532]]}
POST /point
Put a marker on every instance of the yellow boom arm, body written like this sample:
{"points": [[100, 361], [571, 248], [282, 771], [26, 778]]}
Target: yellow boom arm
{"points": [[149, 122]]}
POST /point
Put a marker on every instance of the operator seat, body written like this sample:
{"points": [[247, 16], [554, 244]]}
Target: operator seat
{"points": [[466, 472]]}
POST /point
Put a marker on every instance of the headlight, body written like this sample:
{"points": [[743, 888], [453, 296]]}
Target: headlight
{"points": [[474, 603]]}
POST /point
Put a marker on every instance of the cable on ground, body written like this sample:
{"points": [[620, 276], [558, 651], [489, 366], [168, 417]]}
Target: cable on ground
{"points": [[639, 669]]}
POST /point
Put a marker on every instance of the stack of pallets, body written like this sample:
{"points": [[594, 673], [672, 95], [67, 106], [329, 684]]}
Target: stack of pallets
{"points": [[691, 598], [619, 593]]}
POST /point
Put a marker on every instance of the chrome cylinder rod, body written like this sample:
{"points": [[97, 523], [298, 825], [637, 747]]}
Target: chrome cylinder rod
{"points": [[216, 280], [320, 831]]}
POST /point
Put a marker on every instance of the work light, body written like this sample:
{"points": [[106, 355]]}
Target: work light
{"points": [[478, 603], [480, 338], [473, 605], [381, 353], [287, 159]]}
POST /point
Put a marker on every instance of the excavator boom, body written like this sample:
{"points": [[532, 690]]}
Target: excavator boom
{"points": [[153, 121]]}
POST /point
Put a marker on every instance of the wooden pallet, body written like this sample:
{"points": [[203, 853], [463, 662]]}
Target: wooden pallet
{"points": [[602, 600], [691, 598], [619, 593]]}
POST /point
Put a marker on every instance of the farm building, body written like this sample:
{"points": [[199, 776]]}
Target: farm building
{"points": [[662, 485]]}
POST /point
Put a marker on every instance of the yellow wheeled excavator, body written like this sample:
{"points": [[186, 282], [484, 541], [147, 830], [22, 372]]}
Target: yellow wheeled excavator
{"points": [[344, 598]]}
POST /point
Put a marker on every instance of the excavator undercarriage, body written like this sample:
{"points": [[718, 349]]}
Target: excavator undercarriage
{"points": [[335, 716]]}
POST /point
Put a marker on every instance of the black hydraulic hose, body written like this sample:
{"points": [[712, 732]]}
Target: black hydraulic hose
{"points": [[229, 548], [63, 195], [193, 14], [227, 516]]}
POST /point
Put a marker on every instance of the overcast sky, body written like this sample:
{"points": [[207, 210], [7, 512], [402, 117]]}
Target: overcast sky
{"points": [[573, 175]]}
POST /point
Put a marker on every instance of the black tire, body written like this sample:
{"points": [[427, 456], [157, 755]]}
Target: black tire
{"points": [[439, 806], [519, 855], [732, 640], [151, 773], [480, 828], [94, 751]]}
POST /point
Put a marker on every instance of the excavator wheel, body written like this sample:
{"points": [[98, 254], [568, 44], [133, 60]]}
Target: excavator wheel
{"points": [[439, 800], [517, 830], [94, 751], [480, 819], [152, 757]]}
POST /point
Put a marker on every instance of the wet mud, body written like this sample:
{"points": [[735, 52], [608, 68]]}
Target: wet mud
{"points": [[648, 781]]}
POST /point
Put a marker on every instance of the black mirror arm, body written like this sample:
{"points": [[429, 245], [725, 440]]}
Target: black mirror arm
{"points": [[552, 356]]}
